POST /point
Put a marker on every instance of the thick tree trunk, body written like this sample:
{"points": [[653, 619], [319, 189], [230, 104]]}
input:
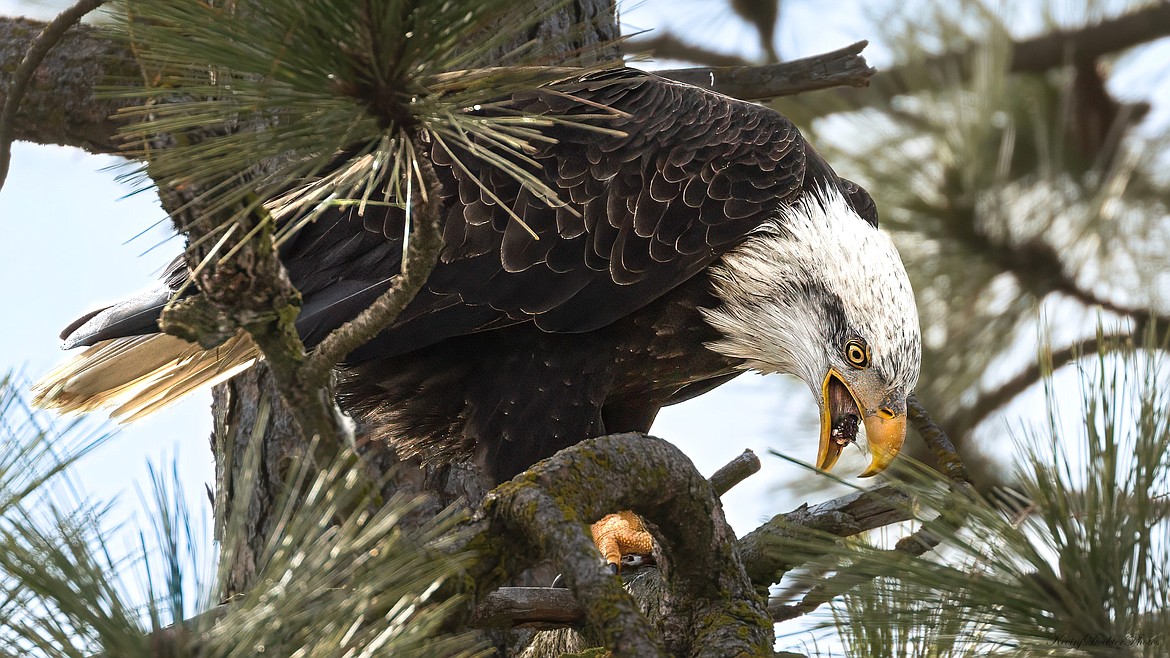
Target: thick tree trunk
{"points": [[578, 27]]}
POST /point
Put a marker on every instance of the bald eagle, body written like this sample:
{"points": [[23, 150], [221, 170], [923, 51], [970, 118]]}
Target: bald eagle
{"points": [[700, 237]]}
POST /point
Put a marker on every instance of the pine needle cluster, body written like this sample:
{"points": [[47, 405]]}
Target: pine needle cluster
{"points": [[338, 577], [321, 103]]}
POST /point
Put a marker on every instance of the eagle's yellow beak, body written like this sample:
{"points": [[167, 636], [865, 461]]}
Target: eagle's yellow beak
{"points": [[841, 412]]}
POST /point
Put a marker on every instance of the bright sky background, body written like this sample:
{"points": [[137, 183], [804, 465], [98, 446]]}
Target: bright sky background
{"points": [[71, 240]]}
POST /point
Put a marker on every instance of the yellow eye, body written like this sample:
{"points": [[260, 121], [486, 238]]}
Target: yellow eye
{"points": [[857, 353]]}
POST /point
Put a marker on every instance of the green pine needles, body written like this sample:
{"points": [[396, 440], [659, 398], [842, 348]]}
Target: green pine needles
{"points": [[244, 101], [340, 576]]}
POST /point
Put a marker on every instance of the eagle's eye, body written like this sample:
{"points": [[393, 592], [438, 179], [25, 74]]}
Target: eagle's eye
{"points": [[857, 353]]}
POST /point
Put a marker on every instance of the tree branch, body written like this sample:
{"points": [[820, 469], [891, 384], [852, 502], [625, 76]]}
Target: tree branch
{"points": [[540, 608], [937, 441], [843, 67], [782, 543], [1147, 326], [61, 106], [991, 401], [50, 36], [426, 240], [1034, 55]]}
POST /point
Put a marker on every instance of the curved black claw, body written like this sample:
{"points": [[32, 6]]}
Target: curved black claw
{"points": [[559, 581], [613, 568]]}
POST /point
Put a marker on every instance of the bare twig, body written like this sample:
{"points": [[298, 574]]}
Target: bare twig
{"points": [[734, 472], [40, 47], [843, 67]]}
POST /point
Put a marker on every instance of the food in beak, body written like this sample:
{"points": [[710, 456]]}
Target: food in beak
{"points": [[839, 422]]}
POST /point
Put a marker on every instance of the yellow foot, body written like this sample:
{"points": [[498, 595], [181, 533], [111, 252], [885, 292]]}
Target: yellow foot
{"points": [[621, 534]]}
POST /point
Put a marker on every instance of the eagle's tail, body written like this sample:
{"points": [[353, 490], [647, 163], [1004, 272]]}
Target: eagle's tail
{"points": [[138, 375]]}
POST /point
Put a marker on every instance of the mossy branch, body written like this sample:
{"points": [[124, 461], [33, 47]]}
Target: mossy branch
{"points": [[545, 512]]}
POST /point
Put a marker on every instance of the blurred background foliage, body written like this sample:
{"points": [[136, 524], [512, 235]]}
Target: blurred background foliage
{"points": [[1025, 182]]}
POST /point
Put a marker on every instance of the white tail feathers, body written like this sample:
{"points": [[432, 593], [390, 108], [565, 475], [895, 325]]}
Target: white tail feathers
{"points": [[138, 375]]}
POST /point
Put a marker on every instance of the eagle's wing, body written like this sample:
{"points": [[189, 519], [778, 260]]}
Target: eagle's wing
{"points": [[677, 177]]}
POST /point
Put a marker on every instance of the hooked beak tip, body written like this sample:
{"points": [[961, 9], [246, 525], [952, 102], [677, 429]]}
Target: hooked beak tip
{"points": [[885, 436]]}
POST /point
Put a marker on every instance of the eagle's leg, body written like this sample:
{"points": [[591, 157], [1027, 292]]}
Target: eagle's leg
{"points": [[621, 536]]}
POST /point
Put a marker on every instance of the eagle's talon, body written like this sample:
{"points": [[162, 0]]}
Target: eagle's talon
{"points": [[617, 535]]}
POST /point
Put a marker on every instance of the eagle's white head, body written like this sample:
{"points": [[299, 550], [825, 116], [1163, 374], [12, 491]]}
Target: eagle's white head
{"points": [[822, 294]]}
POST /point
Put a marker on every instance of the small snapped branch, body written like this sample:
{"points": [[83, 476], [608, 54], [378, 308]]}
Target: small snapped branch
{"points": [[843, 67], [734, 472], [49, 37], [539, 608]]}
